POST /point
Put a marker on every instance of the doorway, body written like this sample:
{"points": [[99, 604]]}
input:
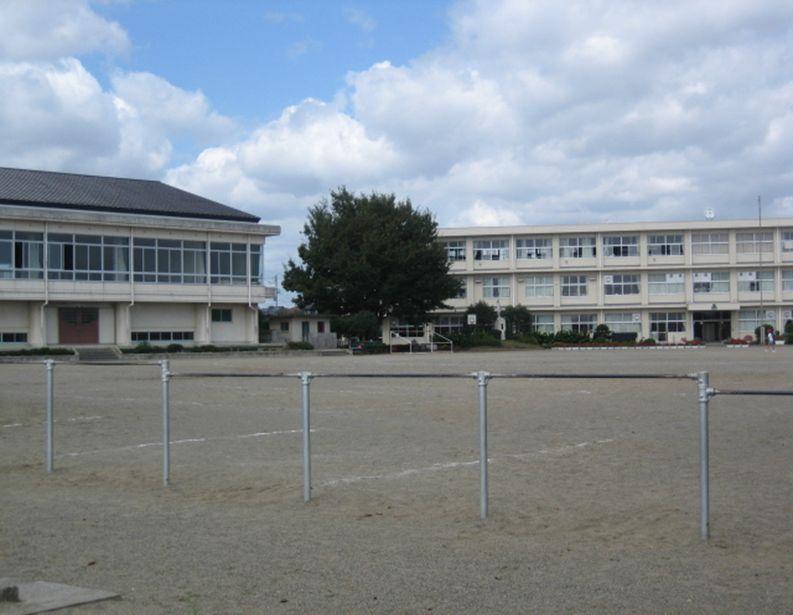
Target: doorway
{"points": [[306, 331], [712, 326], [78, 325]]}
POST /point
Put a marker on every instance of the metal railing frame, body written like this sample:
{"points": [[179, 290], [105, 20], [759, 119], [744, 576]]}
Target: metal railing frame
{"points": [[705, 393]]}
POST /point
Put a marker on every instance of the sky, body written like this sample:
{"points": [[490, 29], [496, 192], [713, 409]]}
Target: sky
{"points": [[485, 112]]}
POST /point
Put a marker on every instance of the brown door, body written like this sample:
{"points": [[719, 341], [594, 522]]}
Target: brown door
{"points": [[78, 325]]}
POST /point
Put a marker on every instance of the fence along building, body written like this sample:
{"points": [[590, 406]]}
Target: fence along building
{"points": [[708, 280], [105, 260]]}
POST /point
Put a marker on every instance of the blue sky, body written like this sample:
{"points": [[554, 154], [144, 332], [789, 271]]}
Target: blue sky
{"points": [[486, 112], [252, 59]]}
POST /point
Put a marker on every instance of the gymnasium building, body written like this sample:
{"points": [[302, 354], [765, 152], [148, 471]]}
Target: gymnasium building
{"points": [[105, 260]]}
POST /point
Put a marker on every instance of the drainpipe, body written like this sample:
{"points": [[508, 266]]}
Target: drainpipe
{"points": [[46, 265], [255, 309], [131, 267]]}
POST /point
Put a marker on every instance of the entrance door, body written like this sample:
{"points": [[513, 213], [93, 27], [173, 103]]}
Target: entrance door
{"points": [[78, 325], [712, 326], [306, 331]]}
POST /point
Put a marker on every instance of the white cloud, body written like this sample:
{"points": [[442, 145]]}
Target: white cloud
{"points": [[360, 19], [33, 30]]}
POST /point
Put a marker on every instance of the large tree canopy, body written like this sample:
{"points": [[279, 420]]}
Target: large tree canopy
{"points": [[370, 253]]}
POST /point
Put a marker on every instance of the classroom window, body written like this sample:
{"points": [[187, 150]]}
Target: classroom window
{"points": [[580, 323], [665, 283], [577, 247], [574, 286], [710, 243], [491, 250], [665, 245], [221, 315], [539, 286], [756, 281], [711, 281], [621, 284], [534, 249], [542, 323], [494, 288], [663, 323], [754, 242], [455, 250], [621, 245], [624, 322]]}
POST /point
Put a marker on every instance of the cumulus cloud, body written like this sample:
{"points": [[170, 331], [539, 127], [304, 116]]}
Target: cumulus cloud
{"points": [[35, 30]]}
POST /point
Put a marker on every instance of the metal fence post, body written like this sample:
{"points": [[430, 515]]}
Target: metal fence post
{"points": [[481, 381], [305, 381], [703, 380], [50, 452], [166, 422]]}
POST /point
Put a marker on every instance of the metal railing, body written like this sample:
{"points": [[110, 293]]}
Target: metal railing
{"points": [[446, 340], [705, 393]]}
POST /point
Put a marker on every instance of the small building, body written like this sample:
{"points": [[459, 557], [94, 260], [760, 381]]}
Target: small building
{"points": [[105, 260], [296, 325]]}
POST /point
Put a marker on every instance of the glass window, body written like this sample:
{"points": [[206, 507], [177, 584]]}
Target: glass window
{"points": [[665, 283], [534, 248], [542, 323], [662, 323], [710, 243], [285, 326], [711, 281], [496, 287], [787, 241], [754, 242], [577, 247], [462, 290], [539, 286], [580, 323], [221, 315], [749, 320], [574, 286], [756, 281], [624, 322], [491, 250], [449, 324], [621, 284], [455, 250], [787, 279], [665, 245], [621, 245], [13, 338], [161, 336], [402, 329]]}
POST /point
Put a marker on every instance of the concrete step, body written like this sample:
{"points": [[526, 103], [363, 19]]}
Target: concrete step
{"points": [[98, 353]]}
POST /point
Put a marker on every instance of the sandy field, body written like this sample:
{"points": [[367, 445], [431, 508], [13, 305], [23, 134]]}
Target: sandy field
{"points": [[594, 487]]}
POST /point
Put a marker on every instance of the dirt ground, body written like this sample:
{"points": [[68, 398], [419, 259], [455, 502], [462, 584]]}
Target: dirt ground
{"points": [[594, 487]]}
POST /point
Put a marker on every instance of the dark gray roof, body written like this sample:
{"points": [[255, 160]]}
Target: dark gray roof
{"points": [[112, 194]]}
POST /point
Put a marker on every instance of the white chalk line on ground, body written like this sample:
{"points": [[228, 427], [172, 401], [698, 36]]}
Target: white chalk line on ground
{"points": [[132, 447], [437, 467], [74, 419]]}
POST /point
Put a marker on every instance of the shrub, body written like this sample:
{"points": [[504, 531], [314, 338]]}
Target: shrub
{"points": [[602, 332], [789, 332], [485, 316], [299, 346], [174, 348], [517, 320], [32, 352], [648, 342]]}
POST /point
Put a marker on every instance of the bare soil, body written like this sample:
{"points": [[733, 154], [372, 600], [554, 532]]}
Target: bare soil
{"points": [[594, 487]]}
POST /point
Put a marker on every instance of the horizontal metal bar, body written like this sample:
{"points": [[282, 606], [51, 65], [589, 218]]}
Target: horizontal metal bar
{"points": [[430, 376], [751, 392], [79, 363]]}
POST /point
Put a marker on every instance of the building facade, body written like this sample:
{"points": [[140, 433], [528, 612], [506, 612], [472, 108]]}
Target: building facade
{"points": [[102, 260], [670, 281]]}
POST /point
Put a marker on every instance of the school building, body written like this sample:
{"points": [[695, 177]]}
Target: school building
{"points": [[708, 280], [105, 260]]}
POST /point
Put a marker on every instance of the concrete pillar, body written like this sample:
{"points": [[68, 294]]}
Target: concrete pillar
{"points": [[36, 324], [202, 324], [123, 322]]}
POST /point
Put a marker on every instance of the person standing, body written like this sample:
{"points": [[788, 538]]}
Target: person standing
{"points": [[771, 340]]}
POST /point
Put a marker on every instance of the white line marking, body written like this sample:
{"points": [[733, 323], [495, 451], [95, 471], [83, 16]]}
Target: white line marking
{"points": [[133, 447], [12, 425], [459, 464]]}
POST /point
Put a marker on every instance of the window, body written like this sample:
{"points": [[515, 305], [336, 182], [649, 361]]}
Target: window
{"points": [[621, 245], [496, 287], [574, 286], [21, 255], [624, 322], [577, 247], [710, 243], [662, 323], [406, 330], [227, 263], [455, 250], [169, 261], [580, 323], [13, 338], [449, 324], [162, 336], [621, 284], [749, 320], [787, 242], [754, 242], [756, 281], [665, 245], [711, 281], [534, 249], [542, 323], [320, 326], [665, 283], [539, 286], [491, 250], [787, 279], [462, 291], [285, 326], [221, 315]]}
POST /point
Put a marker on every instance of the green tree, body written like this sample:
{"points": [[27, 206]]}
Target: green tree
{"points": [[517, 320], [485, 316], [370, 254], [364, 325]]}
